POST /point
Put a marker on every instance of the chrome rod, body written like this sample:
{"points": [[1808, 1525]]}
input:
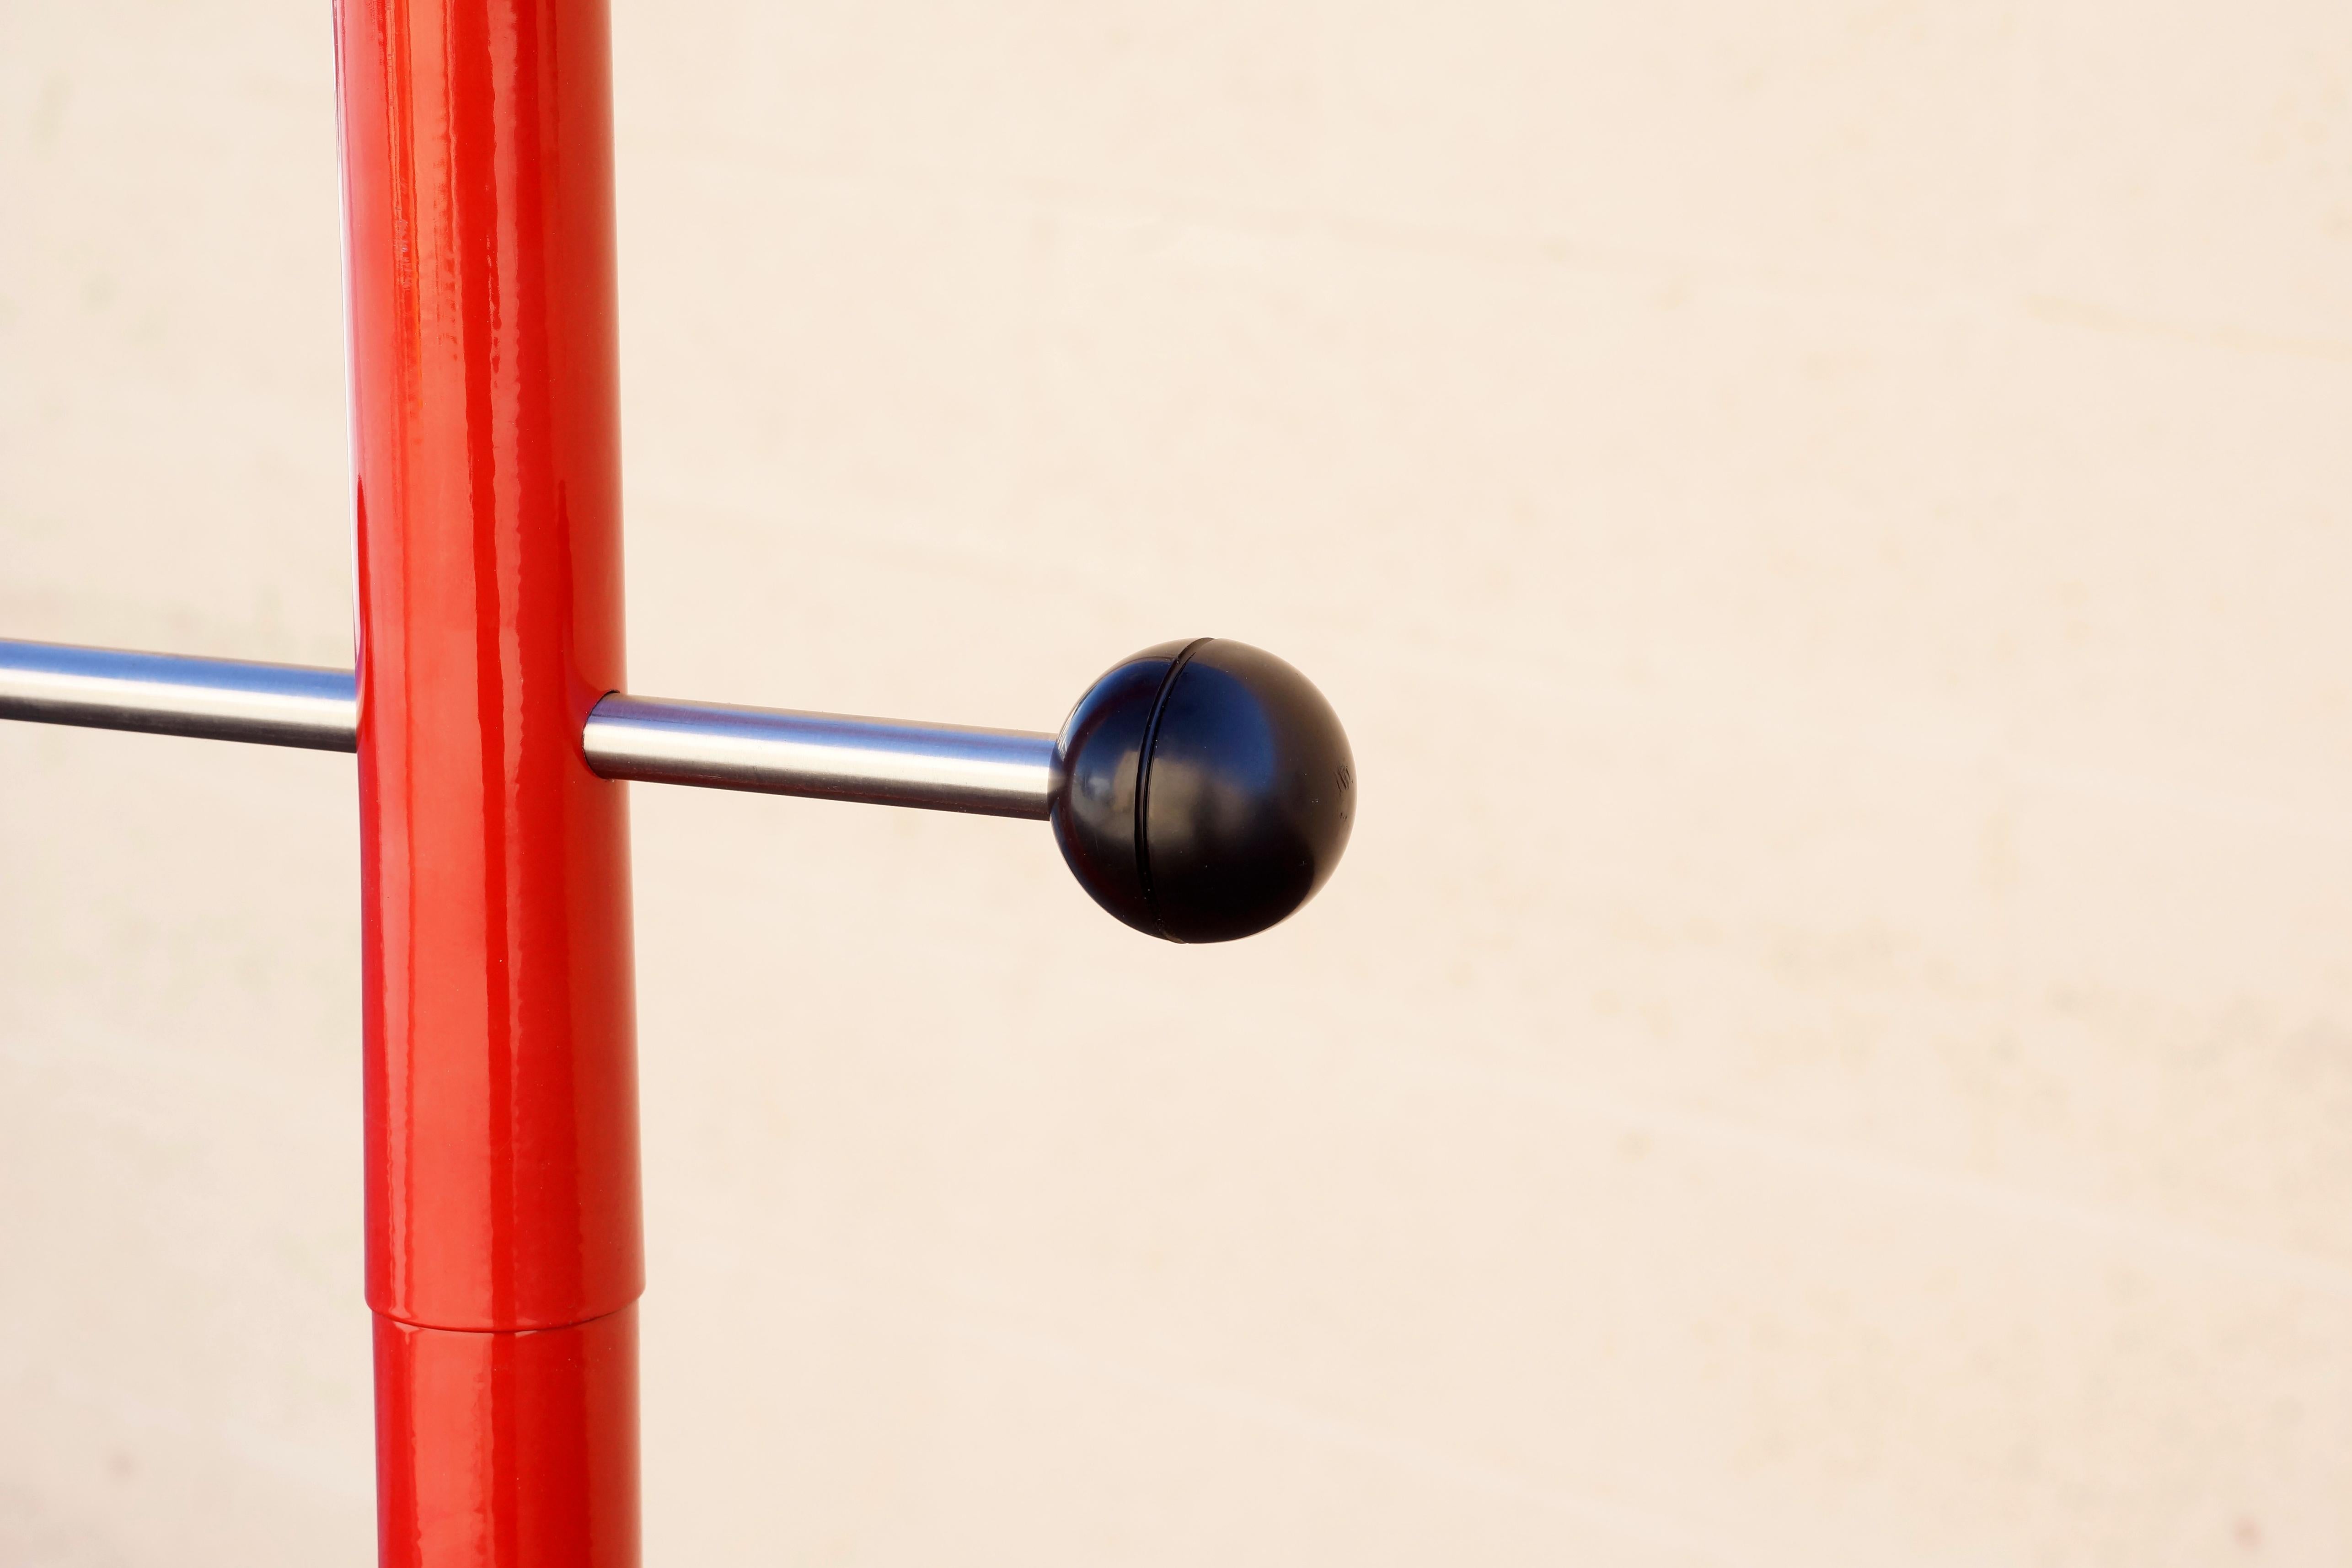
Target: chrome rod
{"points": [[942, 768], [169, 694], [939, 767]]}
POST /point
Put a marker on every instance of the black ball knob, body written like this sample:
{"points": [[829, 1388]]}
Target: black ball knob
{"points": [[1206, 790]]}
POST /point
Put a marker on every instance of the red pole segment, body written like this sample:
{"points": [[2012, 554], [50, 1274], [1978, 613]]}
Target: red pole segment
{"points": [[503, 1244]]}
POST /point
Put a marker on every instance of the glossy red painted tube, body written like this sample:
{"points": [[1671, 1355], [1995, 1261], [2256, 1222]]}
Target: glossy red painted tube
{"points": [[503, 1245]]}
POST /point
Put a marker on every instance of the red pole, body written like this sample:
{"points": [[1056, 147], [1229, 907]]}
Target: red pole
{"points": [[503, 1248]]}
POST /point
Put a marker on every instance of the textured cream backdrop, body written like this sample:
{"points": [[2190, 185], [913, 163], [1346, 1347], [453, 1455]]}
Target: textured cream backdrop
{"points": [[1830, 524]]}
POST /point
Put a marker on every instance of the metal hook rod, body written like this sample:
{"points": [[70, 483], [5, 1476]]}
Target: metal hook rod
{"points": [[833, 756], [168, 694]]}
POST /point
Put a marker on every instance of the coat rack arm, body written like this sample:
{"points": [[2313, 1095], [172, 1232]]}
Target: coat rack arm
{"points": [[833, 756], [171, 693], [1200, 790]]}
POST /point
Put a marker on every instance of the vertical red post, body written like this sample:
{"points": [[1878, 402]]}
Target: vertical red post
{"points": [[503, 1249]]}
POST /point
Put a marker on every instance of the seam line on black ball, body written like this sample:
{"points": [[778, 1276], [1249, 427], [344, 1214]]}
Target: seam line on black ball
{"points": [[1143, 782]]}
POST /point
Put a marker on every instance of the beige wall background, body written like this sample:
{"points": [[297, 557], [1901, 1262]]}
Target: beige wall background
{"points": [[1829, 523]]}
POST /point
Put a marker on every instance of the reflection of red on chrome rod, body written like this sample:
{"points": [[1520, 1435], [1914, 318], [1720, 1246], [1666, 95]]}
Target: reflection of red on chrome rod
{"points": [[504, 1256]]}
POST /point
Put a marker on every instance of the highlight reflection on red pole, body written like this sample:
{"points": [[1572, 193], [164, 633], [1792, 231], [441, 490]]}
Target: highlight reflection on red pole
{"points": [[503, 1246]]}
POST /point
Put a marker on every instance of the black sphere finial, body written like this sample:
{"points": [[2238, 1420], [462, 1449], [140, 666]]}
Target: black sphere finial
{"points": [[1206, 790]]}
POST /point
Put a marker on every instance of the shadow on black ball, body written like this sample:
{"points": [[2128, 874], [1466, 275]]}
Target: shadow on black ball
{"points": [[1206, 790]]}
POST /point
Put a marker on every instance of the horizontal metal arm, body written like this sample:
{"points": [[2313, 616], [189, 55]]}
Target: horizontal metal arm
{"points": [[942, 768], [166, 694], [995, 772]]}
